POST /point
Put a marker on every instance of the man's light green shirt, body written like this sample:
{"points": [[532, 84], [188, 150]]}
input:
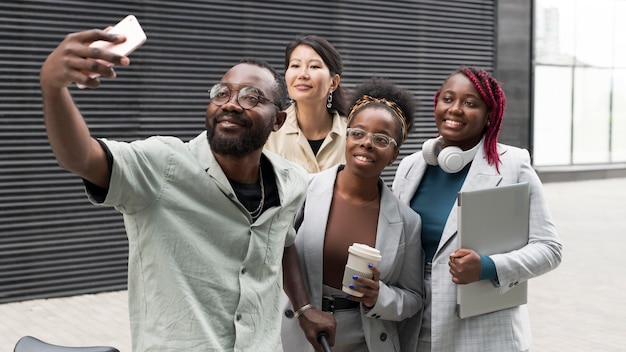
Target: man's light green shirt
{"points": [[201, 276]]}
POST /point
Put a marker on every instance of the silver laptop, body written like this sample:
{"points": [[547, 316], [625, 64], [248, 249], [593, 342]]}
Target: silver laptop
{"points": [[491, 221]]}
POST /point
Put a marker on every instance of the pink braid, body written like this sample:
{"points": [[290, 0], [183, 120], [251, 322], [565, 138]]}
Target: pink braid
{"points": [[491, 93]]}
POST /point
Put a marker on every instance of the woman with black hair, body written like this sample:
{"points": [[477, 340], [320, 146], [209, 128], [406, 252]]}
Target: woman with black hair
{"points": [[313, 134]]}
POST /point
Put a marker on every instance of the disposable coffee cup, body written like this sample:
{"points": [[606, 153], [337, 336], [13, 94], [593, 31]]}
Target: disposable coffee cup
{"points": [[359, 256]]}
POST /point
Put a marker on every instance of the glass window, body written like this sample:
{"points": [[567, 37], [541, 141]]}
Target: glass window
{"points": [[552, 115], [592, 100], [580, 82], [554, 32], [618, 117], [619, 42], [594, 33]]}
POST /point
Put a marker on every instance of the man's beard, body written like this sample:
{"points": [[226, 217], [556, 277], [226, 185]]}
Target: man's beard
{"points": [[249, 141]]}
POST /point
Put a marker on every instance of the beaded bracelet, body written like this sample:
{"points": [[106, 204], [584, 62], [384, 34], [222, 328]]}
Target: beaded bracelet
{"points": [[303, 309]]}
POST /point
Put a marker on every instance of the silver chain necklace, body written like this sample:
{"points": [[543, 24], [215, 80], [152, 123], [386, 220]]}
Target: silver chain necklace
{"points": [[256, 212]]}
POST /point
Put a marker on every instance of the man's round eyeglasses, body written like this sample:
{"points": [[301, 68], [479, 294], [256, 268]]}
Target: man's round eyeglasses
{"points": [[247, 97], [379, 140]]}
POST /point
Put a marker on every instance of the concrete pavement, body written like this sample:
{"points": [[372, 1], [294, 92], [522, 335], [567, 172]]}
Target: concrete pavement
{"points": [[580, 306], [86, 320]]}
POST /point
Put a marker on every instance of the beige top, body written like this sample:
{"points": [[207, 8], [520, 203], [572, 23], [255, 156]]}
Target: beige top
{"points": [[290, 143]]}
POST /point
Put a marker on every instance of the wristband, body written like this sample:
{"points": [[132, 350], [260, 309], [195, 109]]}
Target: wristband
{"points": [[303, 309]]}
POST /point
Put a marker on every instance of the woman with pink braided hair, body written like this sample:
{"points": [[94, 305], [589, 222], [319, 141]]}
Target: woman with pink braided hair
{"points": [[466, 156]]}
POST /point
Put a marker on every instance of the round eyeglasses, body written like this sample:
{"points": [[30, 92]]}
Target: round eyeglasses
{"points": [[247, 97], [379, 140]]}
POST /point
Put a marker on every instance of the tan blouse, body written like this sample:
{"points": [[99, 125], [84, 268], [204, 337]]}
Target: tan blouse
{"points": [[290, 143]]}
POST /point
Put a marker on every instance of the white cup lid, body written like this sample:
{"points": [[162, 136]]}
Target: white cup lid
{"points": [[363, 250]]}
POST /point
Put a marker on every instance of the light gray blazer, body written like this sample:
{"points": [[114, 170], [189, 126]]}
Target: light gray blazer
{"points": [[505, 330], [398, 238]]}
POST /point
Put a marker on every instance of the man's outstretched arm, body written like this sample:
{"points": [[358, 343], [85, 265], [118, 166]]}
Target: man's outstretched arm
{"points": [[68, 134]]}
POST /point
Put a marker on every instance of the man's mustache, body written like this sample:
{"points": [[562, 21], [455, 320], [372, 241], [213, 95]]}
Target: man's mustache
{"points": [[235, 118]]}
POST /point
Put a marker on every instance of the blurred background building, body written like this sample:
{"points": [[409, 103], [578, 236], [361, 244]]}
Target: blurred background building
{"points": [[562, 64], [579, 89]]}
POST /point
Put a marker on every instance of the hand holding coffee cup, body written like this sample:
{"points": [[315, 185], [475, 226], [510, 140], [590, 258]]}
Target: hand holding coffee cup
{"points": [[359, 257]]}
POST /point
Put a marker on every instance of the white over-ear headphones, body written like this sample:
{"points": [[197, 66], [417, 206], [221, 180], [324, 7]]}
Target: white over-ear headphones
{"points": [[450, 159]]}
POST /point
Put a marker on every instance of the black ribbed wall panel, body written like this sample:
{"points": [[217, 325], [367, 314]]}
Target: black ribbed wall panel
{"points": [[53, 242]]}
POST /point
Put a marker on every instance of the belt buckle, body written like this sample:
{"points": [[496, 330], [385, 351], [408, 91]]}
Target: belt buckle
{"points": [[328, 304]]}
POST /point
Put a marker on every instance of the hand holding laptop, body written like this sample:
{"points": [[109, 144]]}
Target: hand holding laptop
{"points": [[464, 266]]}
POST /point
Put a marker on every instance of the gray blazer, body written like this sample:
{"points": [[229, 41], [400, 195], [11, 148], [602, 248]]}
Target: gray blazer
{"points": [[505, 330], [401, 279]]}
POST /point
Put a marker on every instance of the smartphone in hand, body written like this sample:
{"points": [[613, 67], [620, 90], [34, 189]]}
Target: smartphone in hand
{"points": [[135, 37], [129, 27]]}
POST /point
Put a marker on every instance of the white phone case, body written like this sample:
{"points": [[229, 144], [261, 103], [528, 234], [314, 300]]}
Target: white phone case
{"points": [[135, 37], [129, 27]]}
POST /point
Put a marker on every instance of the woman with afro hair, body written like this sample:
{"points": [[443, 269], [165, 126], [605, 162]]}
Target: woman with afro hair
{"points": [[349, 203]]}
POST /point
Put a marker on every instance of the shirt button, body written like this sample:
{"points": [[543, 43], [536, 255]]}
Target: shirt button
{"points": [[238, 317], [243, 271], [383, 337]]}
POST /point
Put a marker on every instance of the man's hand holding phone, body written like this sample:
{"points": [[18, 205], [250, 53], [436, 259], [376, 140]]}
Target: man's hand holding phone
{"points": [[85, 56], [128, 27]]}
